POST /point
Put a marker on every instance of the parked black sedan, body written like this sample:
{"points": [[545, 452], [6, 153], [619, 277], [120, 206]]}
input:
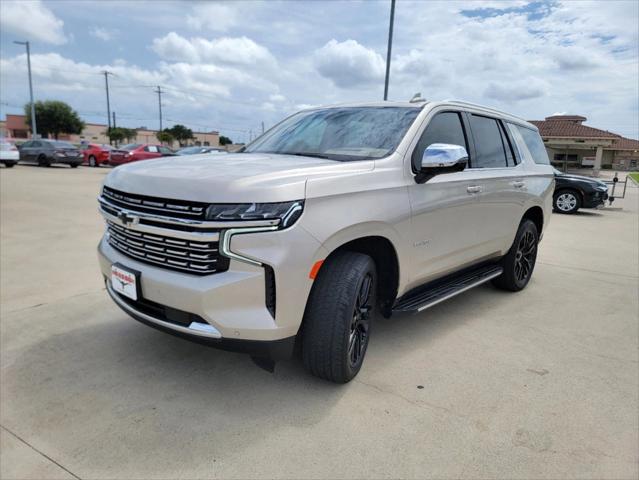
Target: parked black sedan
{"points": [[573, 192], [47, 152]]}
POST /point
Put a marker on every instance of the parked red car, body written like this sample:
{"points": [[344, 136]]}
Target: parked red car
{"points": [[137, 151], [95, 155]]}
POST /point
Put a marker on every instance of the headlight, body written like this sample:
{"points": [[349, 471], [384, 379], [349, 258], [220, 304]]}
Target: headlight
{"points": [[286, 212]]}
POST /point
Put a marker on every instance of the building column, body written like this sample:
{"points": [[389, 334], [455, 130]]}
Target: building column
{"points": [[598, 158]]}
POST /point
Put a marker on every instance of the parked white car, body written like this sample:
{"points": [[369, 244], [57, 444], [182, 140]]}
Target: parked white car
{"points": [[9, 153], [332, 216]]}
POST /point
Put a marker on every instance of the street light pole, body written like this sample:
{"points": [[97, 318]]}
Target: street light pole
{"points": [[33, 117], [390, 46]]}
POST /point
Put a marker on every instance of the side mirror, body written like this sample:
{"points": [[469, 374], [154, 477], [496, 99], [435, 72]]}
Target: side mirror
{"points": [[441, 158], [443, 155]]}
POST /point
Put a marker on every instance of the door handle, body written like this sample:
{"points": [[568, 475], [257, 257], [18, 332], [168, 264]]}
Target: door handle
{"points": [[474, 189], [519, 184]]}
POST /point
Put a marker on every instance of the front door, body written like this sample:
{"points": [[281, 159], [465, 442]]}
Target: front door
{"points": [[445, 210]]}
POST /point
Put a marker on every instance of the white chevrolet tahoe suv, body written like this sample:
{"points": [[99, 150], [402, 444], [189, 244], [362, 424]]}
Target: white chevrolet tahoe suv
{"points": [[330, 218]]}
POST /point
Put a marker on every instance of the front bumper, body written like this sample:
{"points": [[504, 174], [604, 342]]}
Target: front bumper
{"points": [[281, 349], [232, 302], [595, 199]]}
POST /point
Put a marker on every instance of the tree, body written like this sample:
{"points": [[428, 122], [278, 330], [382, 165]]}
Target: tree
{"points": [[225, 140], [117, 134], [165, 136], [54, 117], [181, 133]]}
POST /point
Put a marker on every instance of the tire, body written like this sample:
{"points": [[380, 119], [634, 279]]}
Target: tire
{"points": [[566, 201], [74, 165], [44, 161], [338, 316], [519, 262], [92, 162], [9, 164]]}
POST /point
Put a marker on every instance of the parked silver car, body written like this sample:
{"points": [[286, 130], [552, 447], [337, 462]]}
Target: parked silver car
{"points": [[331, 217]]}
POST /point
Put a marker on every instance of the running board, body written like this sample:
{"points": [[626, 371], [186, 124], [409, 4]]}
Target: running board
{"points": [[439, 290]]}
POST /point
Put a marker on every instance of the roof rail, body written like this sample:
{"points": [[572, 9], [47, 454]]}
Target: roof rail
{"points": [[477, 105]]}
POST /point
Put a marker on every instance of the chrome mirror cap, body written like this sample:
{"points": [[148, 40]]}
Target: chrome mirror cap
{"points": [[441, 155]]}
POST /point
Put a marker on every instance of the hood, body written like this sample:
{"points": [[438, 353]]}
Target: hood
{"points": [[581, 178], [231, 178]]}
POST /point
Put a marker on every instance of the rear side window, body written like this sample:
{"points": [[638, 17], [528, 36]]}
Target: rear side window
{"points": [[151, 148], [535, 145], [445, 127], [489, 147]]}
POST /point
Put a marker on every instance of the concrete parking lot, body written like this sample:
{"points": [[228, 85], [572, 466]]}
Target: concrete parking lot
{"points": [[539, 384]]}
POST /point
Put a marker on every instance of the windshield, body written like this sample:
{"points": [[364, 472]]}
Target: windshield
{"points": [[63, 145], [343, 134], [130, 146]]}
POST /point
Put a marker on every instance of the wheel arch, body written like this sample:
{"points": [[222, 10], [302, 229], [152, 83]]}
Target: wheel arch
{"points": [[536, 215], [383, 252]]}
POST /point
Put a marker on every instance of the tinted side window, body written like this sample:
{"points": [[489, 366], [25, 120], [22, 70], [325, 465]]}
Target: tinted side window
{"points": [[489, 147], [511, 159], [535, 145], [445, 127]]}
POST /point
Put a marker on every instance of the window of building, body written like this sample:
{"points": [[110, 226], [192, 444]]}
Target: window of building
{"points": [[561, 157], [445, 127], [489, 147]]}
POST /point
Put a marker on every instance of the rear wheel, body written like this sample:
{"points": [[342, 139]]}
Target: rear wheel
{"points": [[519, 262], [9, 164], [338, 317], [566, 201], [74, 165], [92, 161]]}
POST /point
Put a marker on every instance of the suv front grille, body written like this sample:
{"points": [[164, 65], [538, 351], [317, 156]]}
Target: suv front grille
{"points": [[199, 258], [156, 206]]}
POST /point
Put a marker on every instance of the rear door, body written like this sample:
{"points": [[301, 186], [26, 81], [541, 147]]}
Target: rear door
{"points": [[150, 151], [25, 150], [501, 178]]}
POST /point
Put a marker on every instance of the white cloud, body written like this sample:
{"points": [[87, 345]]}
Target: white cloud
{"points": [[349, 64], [32, 20], [225, 50], [515, 91], [276, 97], [214, 17], [103, 33]]}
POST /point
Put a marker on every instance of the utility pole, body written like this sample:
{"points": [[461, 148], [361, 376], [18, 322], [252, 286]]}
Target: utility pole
{"points": [[390, 46], [33, 117], [159, 92], [106, 84], [113, 119]]}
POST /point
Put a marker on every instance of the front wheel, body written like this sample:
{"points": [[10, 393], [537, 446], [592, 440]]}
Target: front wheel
{"points": [[337, 321], [519, 262], [9, 164], [43, 161], [566, 201], [74, 165]]}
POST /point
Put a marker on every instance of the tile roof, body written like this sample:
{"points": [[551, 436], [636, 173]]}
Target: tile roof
{"points": [[569, 126], [624, 143]]}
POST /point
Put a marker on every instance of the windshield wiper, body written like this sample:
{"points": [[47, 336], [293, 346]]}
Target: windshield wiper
{"points": [[307, 154]]}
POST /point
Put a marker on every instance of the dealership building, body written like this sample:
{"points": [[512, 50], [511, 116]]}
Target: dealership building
{"points": [[571, 144]]}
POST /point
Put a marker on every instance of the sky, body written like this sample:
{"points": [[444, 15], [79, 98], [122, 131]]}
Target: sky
{"points": [[229, 66]]}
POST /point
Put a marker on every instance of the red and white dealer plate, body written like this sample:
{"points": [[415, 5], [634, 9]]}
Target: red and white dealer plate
{"points": [[124, 282]]}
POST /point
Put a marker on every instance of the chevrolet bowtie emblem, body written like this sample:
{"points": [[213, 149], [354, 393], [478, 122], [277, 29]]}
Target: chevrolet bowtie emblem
{"points": [[127, 219]]}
